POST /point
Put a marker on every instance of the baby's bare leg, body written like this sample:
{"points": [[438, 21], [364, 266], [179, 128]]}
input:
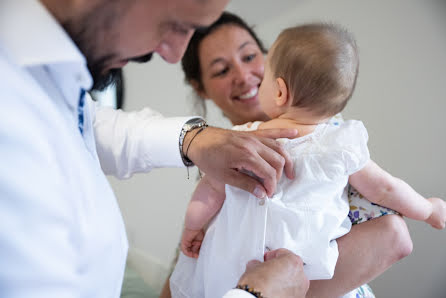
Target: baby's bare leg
{"points": [[368, 250]]}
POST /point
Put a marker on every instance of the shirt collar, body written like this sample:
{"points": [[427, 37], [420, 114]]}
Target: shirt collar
{"points": [[31, 36]]}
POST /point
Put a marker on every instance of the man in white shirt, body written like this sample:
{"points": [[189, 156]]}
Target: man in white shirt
{"points": [[61, 233]]}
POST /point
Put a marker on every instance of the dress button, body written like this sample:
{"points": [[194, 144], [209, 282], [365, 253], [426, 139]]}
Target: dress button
{"points": [[262, 202]]}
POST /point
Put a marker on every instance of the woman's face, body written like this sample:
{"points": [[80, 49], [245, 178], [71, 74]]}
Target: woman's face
{"points": [[232, 66]]}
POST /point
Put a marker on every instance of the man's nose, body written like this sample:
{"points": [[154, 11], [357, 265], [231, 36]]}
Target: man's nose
{"points": [[172, 49]]}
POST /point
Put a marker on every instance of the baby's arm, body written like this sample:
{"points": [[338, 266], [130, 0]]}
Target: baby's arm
{"points": [[207, 199], [381, 188]]}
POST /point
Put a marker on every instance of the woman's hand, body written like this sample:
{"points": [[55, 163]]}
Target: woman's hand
{"points": [[252, 161]]}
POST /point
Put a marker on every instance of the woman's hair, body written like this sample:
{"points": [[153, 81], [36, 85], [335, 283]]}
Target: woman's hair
{"points": [[319, 64], [191, 60]]}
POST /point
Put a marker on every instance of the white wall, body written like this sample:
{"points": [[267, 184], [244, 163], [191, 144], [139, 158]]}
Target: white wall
{"points": [[400, 96]]}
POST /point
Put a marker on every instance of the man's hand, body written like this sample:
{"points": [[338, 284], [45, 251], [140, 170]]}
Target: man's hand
{"points": [[281, 275], [252, 161]]}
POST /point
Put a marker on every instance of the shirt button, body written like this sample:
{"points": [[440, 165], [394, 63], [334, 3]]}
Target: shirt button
{"points": [[262, 202]]}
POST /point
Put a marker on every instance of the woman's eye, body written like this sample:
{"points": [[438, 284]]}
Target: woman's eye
{"points": [[221, 72], [249, 58]]}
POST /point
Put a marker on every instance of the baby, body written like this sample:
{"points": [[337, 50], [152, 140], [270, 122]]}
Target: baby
{"points": [[310, 74]]}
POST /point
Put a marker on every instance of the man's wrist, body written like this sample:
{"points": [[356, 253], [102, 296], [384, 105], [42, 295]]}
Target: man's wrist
{"points": [[250, 290], [190, 129]]}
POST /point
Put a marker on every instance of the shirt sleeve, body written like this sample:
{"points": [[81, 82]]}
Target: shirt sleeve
{"points": [[236, 293], [132, 142]]}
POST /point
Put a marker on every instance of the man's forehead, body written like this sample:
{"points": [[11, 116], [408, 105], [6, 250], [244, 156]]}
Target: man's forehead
{"points": [[198, 13]]}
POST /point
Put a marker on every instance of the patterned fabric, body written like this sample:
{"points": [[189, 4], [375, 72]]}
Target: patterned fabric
{"points": [[362, 210]]}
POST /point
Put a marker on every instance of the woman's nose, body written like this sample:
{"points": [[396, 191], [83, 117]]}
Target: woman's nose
{"points": [[241, 74]]}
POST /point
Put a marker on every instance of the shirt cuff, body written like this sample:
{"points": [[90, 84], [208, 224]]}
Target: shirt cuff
{"points": [[163, 135], [236, 293]]}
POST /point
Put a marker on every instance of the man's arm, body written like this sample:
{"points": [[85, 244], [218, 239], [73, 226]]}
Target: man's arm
{"points": [[134, 142], [128, 143]]}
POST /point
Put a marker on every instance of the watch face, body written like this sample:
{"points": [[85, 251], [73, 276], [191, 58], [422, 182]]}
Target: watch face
{"points": [[195, 121]]}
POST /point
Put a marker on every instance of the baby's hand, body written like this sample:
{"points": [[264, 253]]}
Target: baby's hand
{"points": [[191, 242], [438, 216]]}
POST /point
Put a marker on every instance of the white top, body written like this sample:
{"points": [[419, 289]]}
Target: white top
{"points": [[62, 233], [305, 215]]}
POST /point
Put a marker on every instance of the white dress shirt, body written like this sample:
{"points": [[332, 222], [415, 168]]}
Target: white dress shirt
{"points": [[61, 230]]}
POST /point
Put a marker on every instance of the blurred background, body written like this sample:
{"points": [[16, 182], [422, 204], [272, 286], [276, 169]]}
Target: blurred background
{"points": [[400, 96]]}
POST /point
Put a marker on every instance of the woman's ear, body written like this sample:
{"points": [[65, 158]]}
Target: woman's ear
{"points": [[198, 89], [282, 94]]}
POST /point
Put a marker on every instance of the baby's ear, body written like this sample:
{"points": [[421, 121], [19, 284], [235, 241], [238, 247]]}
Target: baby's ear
{"points": [[282, 94]]}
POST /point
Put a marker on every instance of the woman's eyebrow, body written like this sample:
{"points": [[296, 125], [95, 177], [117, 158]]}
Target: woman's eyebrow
{"points": [[219, 59], [216, 60], [245, 44]]}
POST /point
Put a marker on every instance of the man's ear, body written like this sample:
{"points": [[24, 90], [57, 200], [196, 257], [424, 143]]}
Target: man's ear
{"points": [[282, 94], [198, 89]]}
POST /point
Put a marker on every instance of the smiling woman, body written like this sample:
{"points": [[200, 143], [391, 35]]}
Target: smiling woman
{"points": [[225, 63]]}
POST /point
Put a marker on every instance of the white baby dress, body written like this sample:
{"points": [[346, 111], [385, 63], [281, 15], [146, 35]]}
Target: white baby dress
{"points": [[305, 215]]}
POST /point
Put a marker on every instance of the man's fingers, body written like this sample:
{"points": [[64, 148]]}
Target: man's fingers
{"points": [[252, 264], [246, 182], [278, 158], [277, 133], [269, 255], [262, 171], [283, 253]]}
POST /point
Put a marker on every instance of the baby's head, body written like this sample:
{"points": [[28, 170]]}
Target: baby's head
{"points": [[312, 68]]}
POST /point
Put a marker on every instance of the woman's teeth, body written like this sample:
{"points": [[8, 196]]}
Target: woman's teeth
{"points": [[251, 93]]}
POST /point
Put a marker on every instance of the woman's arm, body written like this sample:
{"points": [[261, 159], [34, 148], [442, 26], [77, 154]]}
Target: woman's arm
{"points": [[368, 250]]}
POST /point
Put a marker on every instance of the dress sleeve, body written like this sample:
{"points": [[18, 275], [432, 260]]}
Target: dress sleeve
{"points": [[353, 139], [132, 142]]}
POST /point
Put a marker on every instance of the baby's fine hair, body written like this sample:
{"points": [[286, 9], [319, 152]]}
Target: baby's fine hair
{"points": [[319, 63]]}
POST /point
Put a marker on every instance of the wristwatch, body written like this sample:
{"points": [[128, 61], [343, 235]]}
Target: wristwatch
{"points": [[188, 126]]}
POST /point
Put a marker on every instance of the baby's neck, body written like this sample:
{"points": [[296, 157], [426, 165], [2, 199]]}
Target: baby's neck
{"points": [[304, 127]]}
